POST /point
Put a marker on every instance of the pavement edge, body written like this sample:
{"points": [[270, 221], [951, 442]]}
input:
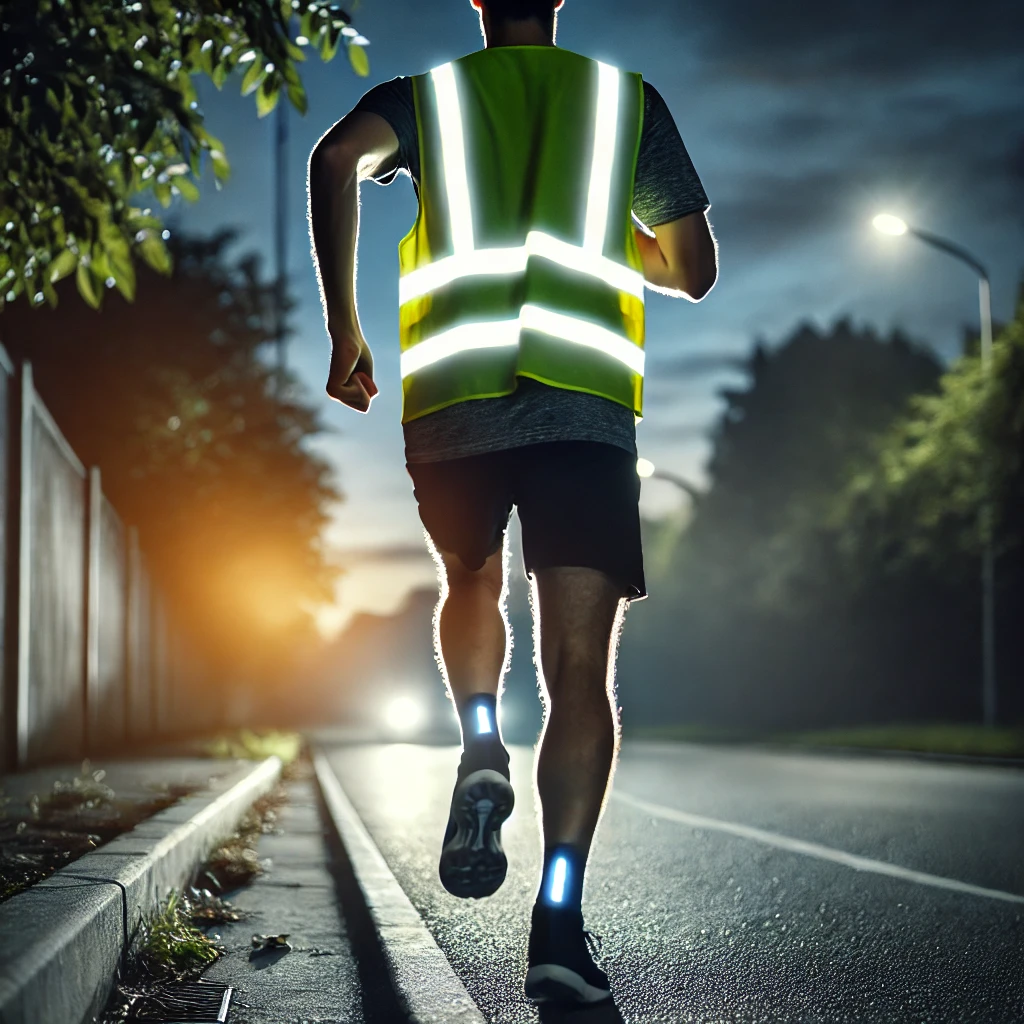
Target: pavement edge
{"points": [[424, 981], [62, 941]]}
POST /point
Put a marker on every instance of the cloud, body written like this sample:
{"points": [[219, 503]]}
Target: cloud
{"points": [[795, 41], [696, 364]]}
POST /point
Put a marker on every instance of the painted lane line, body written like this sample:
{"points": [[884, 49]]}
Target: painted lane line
{"points": [[424, 980], [801, 846]]}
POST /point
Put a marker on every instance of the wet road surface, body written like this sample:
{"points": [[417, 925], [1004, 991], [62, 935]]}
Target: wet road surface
{"points": [[742, 885]]}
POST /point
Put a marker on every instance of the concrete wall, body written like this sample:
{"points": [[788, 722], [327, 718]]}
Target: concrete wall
{"points": [[107, 695], [90, 657], [7, 508], [53, 526]]}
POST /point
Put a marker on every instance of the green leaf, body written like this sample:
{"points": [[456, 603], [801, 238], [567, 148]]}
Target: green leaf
{"points": [[85, 286], [155, 253], [253, 77], [266, 98], [359, 61], [188, 188], [162, 191], [329, 42], [64, 263], [297, 96], [124, 277]]}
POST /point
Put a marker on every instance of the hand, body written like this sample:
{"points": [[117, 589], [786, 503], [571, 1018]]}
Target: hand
{"points": [[351, 376]]}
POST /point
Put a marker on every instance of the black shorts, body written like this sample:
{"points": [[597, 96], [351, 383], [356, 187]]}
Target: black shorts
{"points": [[577, 503]]}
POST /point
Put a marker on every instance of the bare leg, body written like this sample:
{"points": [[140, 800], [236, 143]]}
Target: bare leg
{"points": [[471, 630], [472, 648], [580, 612]]}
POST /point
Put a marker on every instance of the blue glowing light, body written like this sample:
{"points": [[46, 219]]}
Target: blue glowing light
{"points": [[483, 720], [559, 875]]}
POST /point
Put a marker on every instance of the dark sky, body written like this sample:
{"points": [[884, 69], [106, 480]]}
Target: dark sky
{"points": [[803, 120]]}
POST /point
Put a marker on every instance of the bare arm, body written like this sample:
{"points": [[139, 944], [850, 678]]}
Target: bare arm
{"points": [[358, 147], [682, 259]]}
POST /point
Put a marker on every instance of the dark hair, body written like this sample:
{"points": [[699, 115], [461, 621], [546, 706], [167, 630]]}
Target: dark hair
{"points": [[520, 10]]}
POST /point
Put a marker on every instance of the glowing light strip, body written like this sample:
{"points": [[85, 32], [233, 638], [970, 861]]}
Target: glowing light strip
{"points": [[512, 261], [606, 131], [453, 150], [558, 876], [505, 334], [456, 340], [583, 332], [483, 721]]}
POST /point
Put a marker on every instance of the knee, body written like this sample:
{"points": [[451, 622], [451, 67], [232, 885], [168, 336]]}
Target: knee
{"points": [[575, 671], [485, 583]]}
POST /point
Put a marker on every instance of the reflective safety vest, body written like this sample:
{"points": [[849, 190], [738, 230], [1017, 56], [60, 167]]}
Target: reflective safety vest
{"points": [[522, 261]]}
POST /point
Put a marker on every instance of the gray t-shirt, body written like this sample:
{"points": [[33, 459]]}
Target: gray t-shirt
{"points": [[667, 188]]}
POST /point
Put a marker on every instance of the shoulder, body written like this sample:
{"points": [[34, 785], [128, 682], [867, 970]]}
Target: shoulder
{"points": [[397, 90]]}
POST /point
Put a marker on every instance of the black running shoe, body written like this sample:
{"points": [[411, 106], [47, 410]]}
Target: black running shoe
{"points": [[561, 966], [473, 864]]}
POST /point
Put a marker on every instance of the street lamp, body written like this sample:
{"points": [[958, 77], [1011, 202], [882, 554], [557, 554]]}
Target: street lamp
{"points": [[646, 470], [892, 225]]}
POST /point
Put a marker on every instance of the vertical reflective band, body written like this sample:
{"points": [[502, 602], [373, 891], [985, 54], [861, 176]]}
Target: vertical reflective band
{"points": [[560, 869], [606, 132], [483, 721], [453, 149]]}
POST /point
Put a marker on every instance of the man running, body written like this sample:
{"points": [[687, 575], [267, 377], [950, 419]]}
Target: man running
{"points": [[522, 330]]}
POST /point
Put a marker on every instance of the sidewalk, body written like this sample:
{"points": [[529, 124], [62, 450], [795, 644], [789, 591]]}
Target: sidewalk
{"points": [[49, 817], [317, 978]]}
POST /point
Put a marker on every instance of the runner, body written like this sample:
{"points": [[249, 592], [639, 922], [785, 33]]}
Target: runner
{"points": [[551, 188]]}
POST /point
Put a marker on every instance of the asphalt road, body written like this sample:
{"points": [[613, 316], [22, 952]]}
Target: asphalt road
{"points": [[742, 885]]}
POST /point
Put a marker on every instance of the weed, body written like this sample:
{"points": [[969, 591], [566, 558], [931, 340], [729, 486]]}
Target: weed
{"points": [[170, 945]]}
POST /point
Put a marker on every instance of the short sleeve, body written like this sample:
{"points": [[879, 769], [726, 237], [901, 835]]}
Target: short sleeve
{"points": [[667, 186], [394, 102]]}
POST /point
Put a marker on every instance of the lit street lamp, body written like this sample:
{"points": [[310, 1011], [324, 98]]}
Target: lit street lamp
{"points": [[891, 225], [646, 470]]}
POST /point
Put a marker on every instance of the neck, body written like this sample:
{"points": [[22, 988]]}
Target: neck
{"points": [[518, 33]]}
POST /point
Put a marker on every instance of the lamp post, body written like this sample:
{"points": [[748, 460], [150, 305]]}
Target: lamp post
{"points": [[891, 225], [646, 470]]}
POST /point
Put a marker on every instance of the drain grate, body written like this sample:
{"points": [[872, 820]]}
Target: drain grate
{"points": [[187, 1003]]}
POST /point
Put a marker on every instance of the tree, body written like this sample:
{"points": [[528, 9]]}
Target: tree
{"points": [[98, 105], [757, 623], [199, 445], [785, 445], [922, 495]]}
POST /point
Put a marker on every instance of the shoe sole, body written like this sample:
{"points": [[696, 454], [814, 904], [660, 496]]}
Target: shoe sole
{"points": [[552, 983], [473, 864]]}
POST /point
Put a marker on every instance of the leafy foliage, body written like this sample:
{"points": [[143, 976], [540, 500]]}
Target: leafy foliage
{"points": [[199, 445], [938, 469], [98, 104]]}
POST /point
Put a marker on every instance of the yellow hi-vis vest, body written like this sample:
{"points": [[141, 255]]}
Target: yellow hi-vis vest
{"points": [[522, 261]]}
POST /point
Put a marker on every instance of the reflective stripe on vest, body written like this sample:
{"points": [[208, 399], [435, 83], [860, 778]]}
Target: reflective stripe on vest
{"points": [[467, 262]]}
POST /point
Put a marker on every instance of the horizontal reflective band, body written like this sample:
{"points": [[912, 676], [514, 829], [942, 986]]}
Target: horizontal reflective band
{"points": [[512, 261], [583, 332], [505, 334], [465, 338]]}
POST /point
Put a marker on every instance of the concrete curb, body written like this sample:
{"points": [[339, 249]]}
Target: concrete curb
{"points": [[427, 987], [61, 941]]}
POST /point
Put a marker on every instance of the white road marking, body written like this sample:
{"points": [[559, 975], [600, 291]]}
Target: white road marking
{"points": [[850, 860]]}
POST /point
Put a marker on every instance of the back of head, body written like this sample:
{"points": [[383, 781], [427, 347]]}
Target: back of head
{"points": [[520, 10]]}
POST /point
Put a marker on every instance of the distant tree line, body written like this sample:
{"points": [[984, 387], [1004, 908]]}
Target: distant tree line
{"points": [[831, 575]]}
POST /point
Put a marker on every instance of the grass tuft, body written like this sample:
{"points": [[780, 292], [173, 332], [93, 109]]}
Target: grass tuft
{"points": [[170, 945]]}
